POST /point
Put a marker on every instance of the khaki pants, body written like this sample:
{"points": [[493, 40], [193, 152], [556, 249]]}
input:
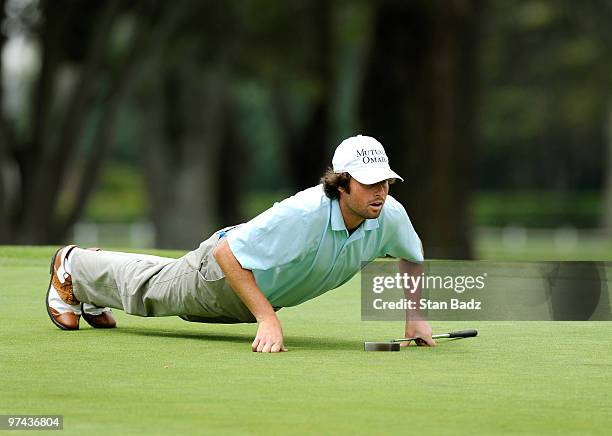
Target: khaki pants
{"points": [[193, 287]]}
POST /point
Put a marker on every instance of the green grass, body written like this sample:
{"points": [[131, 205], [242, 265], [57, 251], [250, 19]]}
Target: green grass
{"points": [[539, 247], [166, 376], [538, 209]]}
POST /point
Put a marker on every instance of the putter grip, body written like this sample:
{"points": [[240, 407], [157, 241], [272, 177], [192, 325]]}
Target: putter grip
{"points": [[463, 333]]}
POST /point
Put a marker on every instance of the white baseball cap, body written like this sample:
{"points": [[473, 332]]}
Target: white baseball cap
{"points": [[364, 158]]}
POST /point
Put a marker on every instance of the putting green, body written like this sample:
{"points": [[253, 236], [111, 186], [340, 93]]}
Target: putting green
{"points": [[164, 375]]}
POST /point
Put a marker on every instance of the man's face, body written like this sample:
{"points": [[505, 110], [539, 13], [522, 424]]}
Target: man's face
{"points": [[364, 201]]}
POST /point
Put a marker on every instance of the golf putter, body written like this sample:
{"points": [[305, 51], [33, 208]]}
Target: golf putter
{"points": [[394, 344]]}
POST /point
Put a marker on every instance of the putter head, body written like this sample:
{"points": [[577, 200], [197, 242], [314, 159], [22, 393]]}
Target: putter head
{"points": [[381, 346]]}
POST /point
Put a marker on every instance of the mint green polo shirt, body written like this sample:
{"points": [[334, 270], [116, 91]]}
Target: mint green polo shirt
{"points": [[300, 248]]}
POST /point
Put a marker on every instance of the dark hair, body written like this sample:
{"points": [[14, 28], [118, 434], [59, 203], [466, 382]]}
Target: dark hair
{"points": [[332, 181]]}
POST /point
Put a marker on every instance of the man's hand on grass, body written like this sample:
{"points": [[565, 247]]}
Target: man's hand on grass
{"points": [[418, 329], [269, 337]]}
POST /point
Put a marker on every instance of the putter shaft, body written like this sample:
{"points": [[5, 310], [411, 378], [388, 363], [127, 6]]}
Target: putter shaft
{"points": [[441, 335], [458, 334]]}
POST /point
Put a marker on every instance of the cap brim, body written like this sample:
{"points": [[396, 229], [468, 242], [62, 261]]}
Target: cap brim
{"points": [[374, 175]]}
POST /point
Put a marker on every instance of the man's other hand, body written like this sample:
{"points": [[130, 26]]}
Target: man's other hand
{"points": [[269, 337], [418, 329]]}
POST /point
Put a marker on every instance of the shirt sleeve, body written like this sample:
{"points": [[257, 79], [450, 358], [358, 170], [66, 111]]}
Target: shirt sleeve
{"points": [[275, 237], [403, 241]]}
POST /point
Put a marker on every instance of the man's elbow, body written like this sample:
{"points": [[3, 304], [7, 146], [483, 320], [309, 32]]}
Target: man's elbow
{"points": [[220, 251]]}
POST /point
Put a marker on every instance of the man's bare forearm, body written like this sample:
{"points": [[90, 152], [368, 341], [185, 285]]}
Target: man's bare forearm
{"points": [[269, 338], [243, 282], [412, 293], [416, 325]]}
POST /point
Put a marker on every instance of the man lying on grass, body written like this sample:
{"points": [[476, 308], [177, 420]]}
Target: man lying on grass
{"points": [[297, 250]]}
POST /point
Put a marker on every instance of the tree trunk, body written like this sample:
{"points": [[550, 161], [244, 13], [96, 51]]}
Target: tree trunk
{"points": [[607, 203], [182, 155], [233, 164], [307, 145], [4, 143], [419, 100], [55, 150]]}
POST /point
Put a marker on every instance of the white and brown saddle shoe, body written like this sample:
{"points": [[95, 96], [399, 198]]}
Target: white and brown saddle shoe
{"points": [[63, 307]]}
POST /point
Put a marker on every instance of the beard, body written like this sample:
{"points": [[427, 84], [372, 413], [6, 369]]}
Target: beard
{"points": [[368, 212]]}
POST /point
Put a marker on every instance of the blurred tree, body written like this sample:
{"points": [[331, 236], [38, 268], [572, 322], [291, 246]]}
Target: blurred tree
{"points": [[5, 140], [307, 142], [419, 100], [547, 68], [546, 97], [182, 152], [191, 155], [607, 191], [73, 47], [288, 47], [233, 167], [84, 76]]}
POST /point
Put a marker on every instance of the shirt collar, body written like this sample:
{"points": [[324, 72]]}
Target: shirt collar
{"points": [[337, 222], [370, 224]]}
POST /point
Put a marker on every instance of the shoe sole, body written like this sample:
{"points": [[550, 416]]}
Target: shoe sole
{"points": [[51, 272]]}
